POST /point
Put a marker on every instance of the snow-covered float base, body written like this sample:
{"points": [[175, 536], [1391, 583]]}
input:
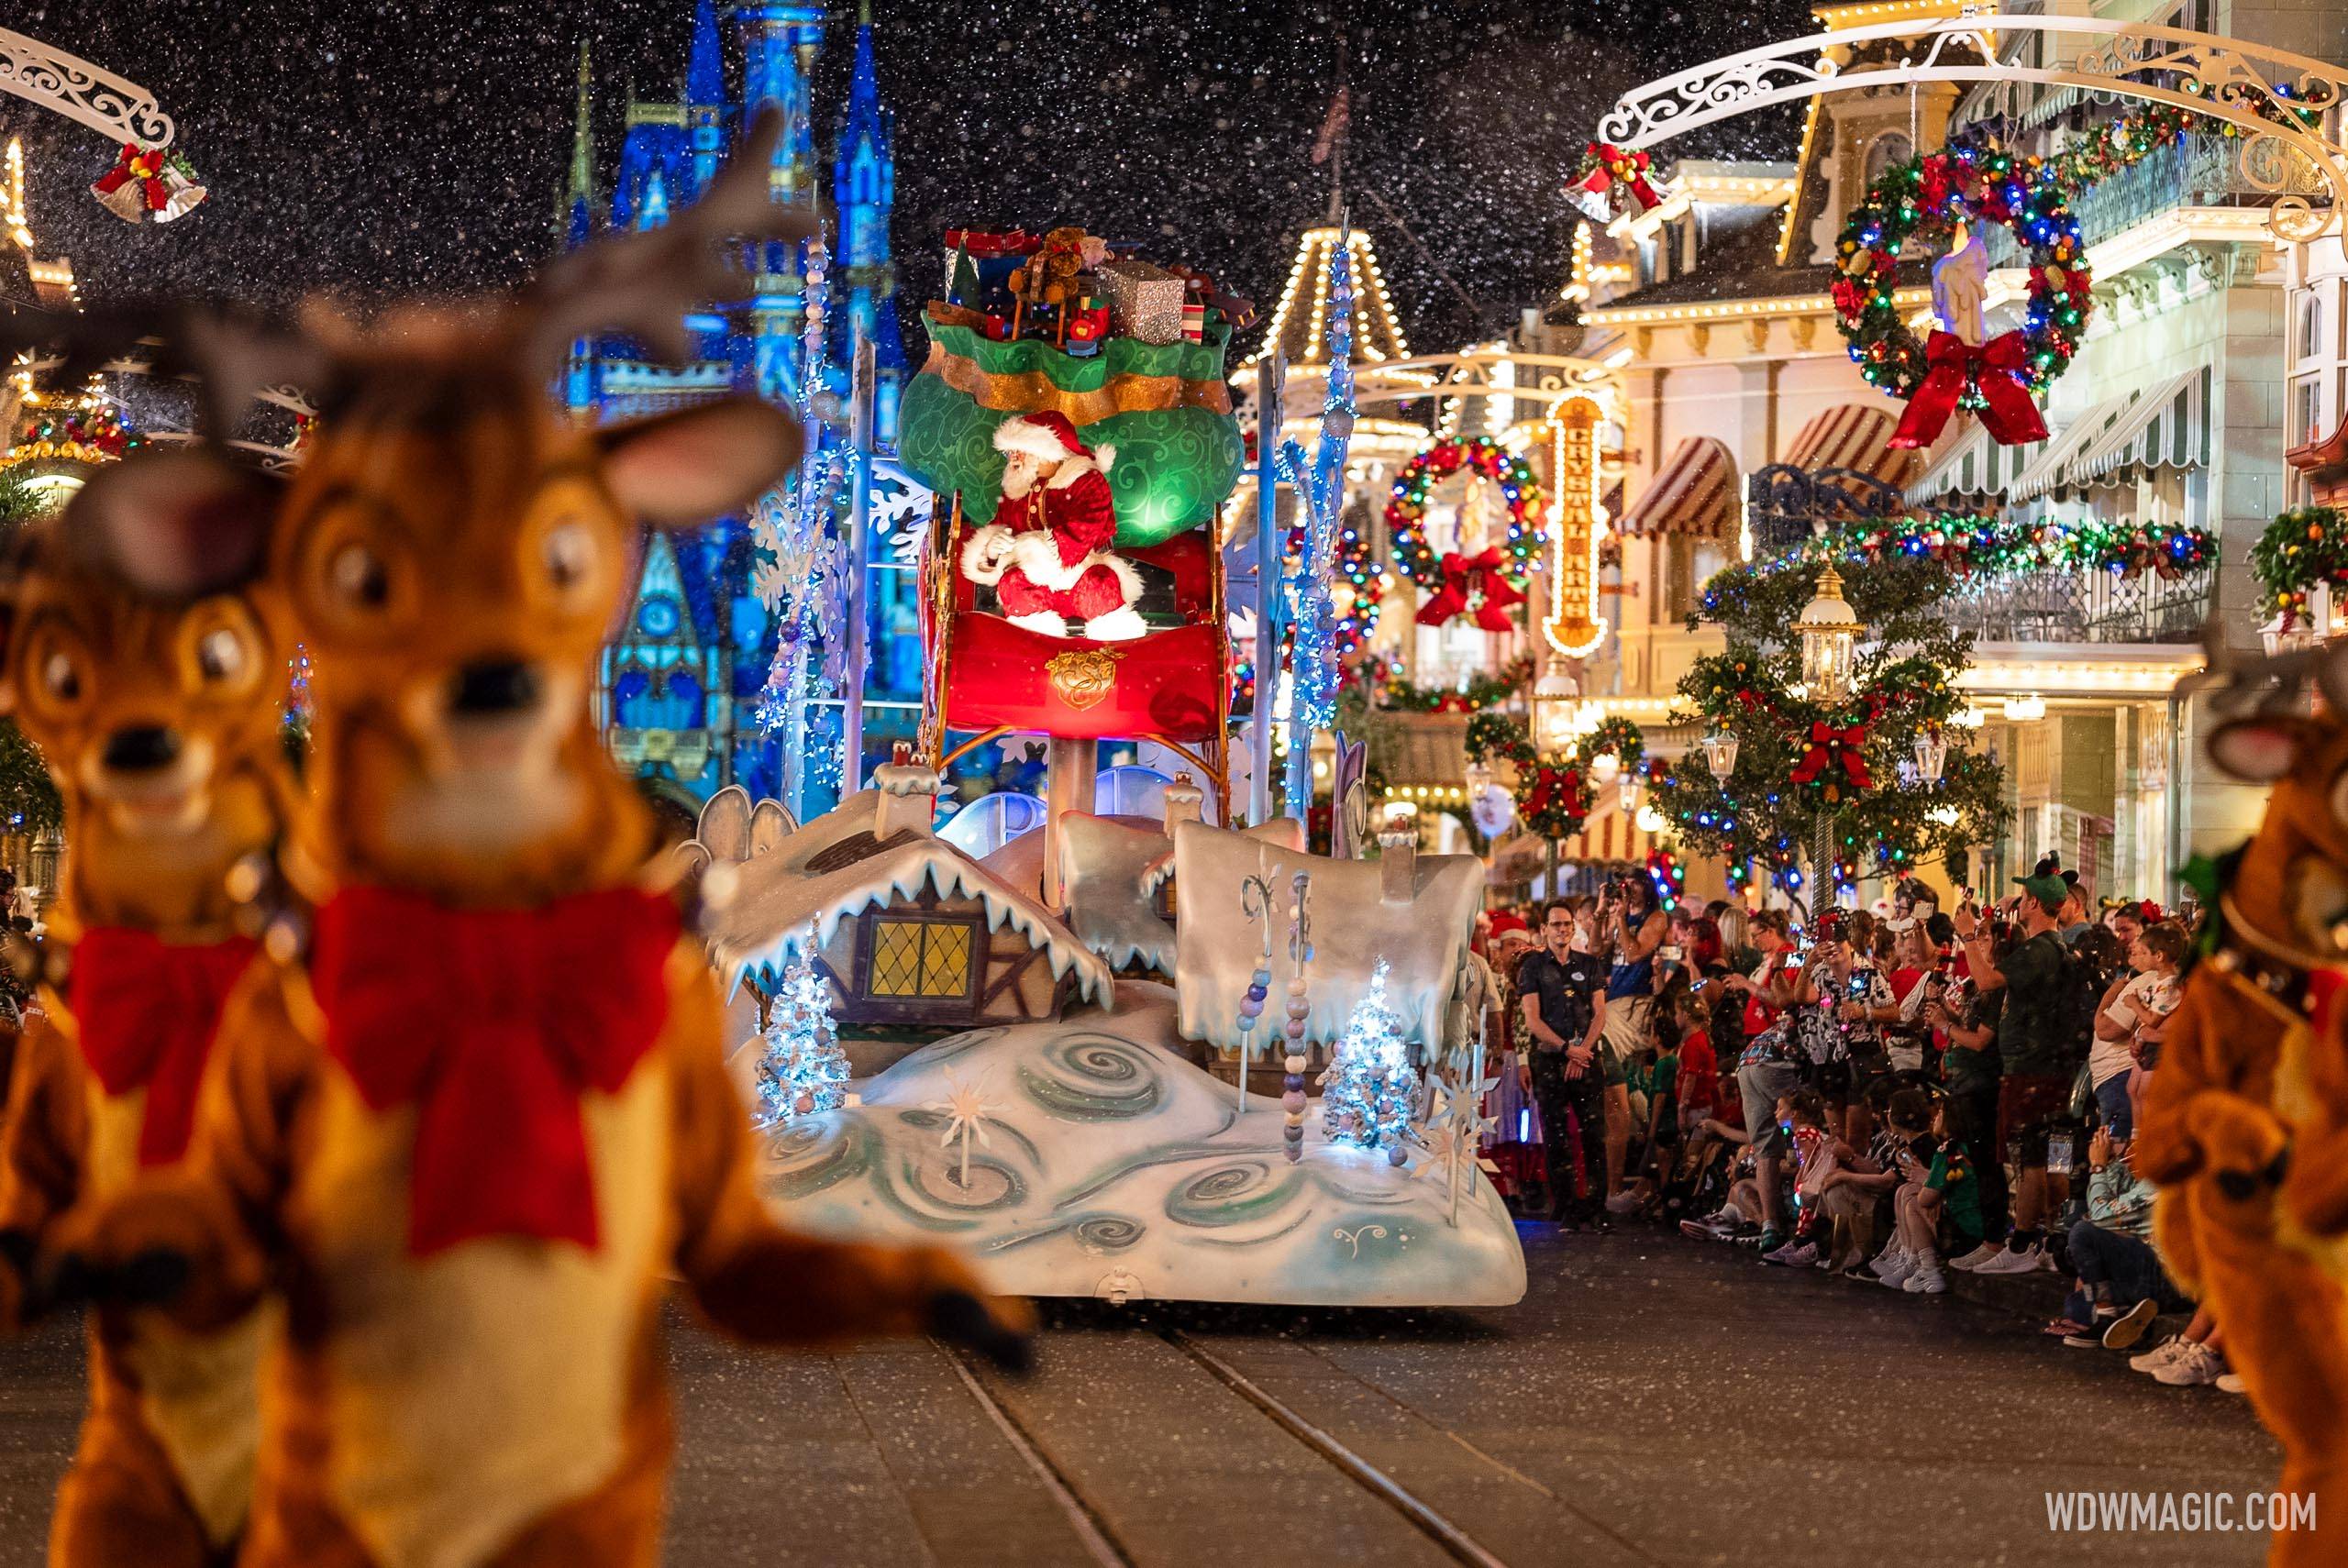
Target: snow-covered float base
{"points": [[1111, 1166]]}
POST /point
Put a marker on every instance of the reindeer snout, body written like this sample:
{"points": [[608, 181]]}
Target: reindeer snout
{"points": [[141, 748], [496, 686]]}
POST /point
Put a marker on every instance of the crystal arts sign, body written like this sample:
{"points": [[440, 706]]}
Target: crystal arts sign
{"points": [[1576, 524]]}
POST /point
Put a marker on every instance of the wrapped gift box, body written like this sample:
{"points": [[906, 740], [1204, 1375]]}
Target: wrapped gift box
{"points": [[1145, 302]]}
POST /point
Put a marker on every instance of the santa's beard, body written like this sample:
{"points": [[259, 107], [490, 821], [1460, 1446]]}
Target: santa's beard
{"points": [[1018, 481]]}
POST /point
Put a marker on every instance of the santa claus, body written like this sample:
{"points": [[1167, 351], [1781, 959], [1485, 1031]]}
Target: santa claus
{"points": [[1047, 555]]}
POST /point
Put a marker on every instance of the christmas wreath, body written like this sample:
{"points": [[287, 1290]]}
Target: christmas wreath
{"points": [[1492, 578], [1614, 734], [1553, 799], [2303, 547], [2000, 379]]}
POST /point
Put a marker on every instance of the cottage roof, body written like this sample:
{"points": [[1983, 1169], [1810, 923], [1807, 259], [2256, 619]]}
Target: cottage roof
{"points": [[840, 865], [1111, 869]]}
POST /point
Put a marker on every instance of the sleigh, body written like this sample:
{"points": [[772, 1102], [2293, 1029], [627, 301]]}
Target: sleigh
{"points": [[1171, 685]]}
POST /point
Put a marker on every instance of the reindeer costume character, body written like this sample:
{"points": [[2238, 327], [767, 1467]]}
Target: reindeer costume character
{"points": [[161, 719], [472, 1130], [2246, 1124]]}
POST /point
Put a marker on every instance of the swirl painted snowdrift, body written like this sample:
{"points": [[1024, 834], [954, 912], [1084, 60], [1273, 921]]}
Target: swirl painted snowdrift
{"points": [[1110, 1164]]}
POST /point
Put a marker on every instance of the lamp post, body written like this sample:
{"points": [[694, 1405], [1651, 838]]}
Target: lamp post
{"points": [[1720, 756], [1932, 756], [1830, 642], [1557, 697]]}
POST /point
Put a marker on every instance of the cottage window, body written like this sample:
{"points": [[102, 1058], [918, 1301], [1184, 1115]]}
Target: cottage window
{"points": [[928, 960]]}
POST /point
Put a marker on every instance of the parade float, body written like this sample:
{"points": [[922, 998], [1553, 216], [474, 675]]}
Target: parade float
{"points": [[1089, 1058]]}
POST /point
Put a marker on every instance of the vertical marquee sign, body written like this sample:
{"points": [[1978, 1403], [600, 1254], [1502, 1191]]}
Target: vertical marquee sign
{"points": [[1576, 526]]}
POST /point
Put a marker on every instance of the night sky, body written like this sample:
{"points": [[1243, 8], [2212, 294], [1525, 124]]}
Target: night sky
{"points": [[377, 145]]}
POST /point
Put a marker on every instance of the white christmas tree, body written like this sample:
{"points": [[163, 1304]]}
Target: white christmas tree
{"points": [[1370, 1090], [803, 1070]]}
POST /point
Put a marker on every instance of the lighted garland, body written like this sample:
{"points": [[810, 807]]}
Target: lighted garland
{"points": [[2302, 547], [1928, 195], [1398, 693], [90, 431], [1406, 513], [1973, 545], [1553, 800], [2120, 142]]}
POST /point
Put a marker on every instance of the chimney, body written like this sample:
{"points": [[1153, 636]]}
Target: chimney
{"points": [[1398, 861], [1185, 802], [908, 790]]}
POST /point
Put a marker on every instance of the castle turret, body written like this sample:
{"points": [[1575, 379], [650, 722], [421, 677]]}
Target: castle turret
{"points": [[864, 181], [704, 103]]}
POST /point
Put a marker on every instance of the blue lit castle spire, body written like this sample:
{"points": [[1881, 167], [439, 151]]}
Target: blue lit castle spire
{"points": [[680, 684], [864, 181]]}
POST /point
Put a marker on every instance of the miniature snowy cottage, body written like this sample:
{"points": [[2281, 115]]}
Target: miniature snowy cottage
{"points": [[730, 830], [912, 931], [1416, 912], [1117, 875]]}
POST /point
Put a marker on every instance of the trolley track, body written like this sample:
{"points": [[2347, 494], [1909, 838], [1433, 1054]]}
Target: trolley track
{"points": [[1093, 1518]]}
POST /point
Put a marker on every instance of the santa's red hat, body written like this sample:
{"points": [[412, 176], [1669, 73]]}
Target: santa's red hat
{"points": [[1049, 437]]}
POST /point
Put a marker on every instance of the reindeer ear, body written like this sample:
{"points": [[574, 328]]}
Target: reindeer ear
{"points": [[2259, 749], [676, 470], [177, 524]]}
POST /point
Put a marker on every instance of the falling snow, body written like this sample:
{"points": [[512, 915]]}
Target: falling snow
{"points": [[370, 147]]}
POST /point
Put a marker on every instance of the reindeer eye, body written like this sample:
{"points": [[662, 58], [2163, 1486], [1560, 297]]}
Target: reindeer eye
{"points": [[221, 655], [360, 576], [570, 555], [60, 677]]}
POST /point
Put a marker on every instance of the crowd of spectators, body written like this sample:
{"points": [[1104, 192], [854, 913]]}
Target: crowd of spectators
{"points": [[1896, 1095]]}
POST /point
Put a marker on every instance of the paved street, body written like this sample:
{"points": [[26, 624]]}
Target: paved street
{"points": [[1652, 1401]]}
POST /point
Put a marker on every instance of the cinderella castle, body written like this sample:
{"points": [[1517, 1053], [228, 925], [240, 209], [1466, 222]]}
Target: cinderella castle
{"points": [[681, 679]]}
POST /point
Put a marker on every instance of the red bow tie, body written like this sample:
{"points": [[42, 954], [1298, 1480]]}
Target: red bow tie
{"points": [[492, 1022], [146, 1011]]}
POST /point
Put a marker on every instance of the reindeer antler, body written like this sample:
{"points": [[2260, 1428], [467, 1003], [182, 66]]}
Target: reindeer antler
{"points": [[2245, 683], [644, 283], [229, 351]]}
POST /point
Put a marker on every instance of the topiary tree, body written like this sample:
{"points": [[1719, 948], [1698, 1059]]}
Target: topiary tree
{"points": [[1846, 773]]}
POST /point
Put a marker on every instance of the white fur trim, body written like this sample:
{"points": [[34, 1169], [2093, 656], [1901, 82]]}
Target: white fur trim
{"points": [[1017, 434], [1051, 623], [1037, 554], [1121, 624], [1103, 456], [1128, 580], [1073, 468], [987, 554]]}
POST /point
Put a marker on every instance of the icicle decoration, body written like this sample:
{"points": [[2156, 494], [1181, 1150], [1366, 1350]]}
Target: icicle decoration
{"points": [[1256, 904], [1300, 955], [1313, 660]]}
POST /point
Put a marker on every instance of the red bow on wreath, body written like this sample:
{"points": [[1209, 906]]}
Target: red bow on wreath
{"points": [[1831, 747], [1612, 165], [134, 163], [1557, 788], [1992, 369], [1472, 577]]}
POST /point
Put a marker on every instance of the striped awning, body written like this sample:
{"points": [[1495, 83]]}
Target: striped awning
{"points": [[1974, 471], [2165, 426], [1693, 494], [1856, 436], [2048, 470]]}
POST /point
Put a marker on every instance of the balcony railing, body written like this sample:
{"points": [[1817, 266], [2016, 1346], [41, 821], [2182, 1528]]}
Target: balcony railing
{"points": [[2193, 171], [2088, 606]]}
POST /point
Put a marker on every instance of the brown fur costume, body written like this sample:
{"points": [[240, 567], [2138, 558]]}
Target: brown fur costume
{"points": [[161, 721], [2242, 1122], [450, 1397]]}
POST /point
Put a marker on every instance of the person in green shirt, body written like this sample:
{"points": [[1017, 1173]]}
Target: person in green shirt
{"points": [[2037, 1060]]}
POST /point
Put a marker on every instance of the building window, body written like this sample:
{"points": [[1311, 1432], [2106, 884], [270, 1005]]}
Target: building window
{"points": [[2308, 333], [914, 958], [1890, 147], [2307, 410]]}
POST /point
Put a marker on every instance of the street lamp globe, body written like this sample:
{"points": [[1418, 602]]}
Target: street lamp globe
{"points": [[1556, 696], [1720, 756], [1830, 639]]}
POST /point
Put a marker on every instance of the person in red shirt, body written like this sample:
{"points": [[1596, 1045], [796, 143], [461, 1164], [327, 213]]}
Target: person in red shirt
{"points": [[1698, 1090]]}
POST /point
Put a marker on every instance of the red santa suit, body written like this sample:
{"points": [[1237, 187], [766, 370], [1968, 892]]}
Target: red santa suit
{"points": [[1048, 553]]}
